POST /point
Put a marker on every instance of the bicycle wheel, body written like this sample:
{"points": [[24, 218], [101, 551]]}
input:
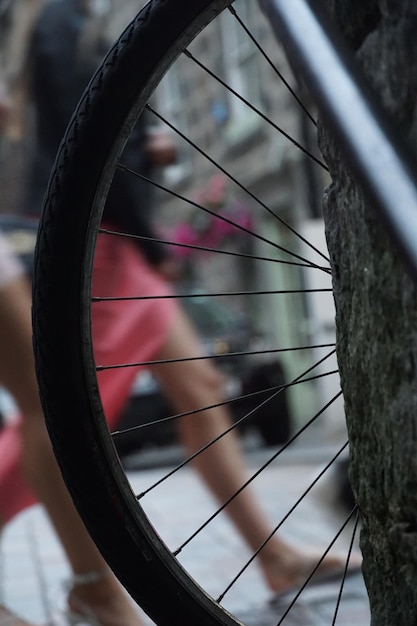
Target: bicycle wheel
{"points": [[70, 227]]}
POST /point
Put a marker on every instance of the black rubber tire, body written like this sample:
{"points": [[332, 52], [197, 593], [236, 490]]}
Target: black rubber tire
{"points": [[61, 305]]}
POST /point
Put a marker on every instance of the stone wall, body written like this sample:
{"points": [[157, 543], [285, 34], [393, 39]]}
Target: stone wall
{"points": [[377, 324]]}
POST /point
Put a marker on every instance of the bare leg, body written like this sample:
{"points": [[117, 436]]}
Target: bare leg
{"points": [[105, 597], [194, 384]]}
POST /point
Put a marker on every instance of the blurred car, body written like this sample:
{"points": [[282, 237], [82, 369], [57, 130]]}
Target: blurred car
{"points": [[222, 333]]}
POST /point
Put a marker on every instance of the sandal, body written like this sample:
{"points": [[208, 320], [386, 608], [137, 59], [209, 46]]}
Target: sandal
{"points": [[323, 576], [81, 615], [69, 618]]}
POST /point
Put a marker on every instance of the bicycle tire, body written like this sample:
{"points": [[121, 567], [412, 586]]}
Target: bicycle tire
{"points": [[80, 180], [67, 325]]}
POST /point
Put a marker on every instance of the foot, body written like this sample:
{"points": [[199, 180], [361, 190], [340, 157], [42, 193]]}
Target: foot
{"points": [[286, 568], [104, 602]]}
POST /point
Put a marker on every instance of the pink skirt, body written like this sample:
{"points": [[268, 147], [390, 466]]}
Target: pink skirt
{"points": [[130, 331], [127, 331]]}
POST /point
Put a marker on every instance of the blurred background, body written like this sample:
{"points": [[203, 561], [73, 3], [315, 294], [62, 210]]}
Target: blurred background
{"points": [[290, 185], [272, 168]]}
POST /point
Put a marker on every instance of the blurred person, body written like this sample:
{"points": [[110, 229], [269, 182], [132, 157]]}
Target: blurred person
{"points": [[11, 280], [148, 330], [27, 462], [26, 458]]}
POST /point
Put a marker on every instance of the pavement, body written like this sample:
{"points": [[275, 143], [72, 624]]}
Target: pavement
{"points": [[33, 569]]}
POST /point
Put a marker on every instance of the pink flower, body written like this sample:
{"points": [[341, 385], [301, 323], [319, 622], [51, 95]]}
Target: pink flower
{"points": [[205, 230], [183, 234]]}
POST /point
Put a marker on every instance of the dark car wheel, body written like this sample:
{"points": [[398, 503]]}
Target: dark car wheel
{"points": [[272, 419]]}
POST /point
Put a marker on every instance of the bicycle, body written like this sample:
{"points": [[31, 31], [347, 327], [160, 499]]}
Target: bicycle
{"points": [[75, 199]]}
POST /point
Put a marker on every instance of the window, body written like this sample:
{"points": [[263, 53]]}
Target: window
{"points": [[171, 95], [241, 63]]}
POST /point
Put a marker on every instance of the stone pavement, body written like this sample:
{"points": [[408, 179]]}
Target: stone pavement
{"points": [[33, 568]]}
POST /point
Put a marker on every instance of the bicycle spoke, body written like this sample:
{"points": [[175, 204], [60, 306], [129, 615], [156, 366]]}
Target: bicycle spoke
{"points": [[325, 553], [254, 476], [180, 296], [272, 65], [339, 597], [223, 218], [254, 394], [277, 128], [307, 264], [284, 519], [300, 378], [238, 183]]}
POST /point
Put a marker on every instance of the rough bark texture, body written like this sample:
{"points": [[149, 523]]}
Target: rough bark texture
{"points": [[377, 324]]}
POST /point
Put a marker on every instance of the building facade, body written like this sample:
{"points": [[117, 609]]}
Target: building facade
{"points": [[267, 173]]}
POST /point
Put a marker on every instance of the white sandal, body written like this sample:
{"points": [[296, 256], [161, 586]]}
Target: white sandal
{"points": [[69, 618], [84, 615]]}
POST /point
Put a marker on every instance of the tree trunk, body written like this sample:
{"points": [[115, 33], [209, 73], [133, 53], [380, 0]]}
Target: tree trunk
{"points": [[376, 306]]}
